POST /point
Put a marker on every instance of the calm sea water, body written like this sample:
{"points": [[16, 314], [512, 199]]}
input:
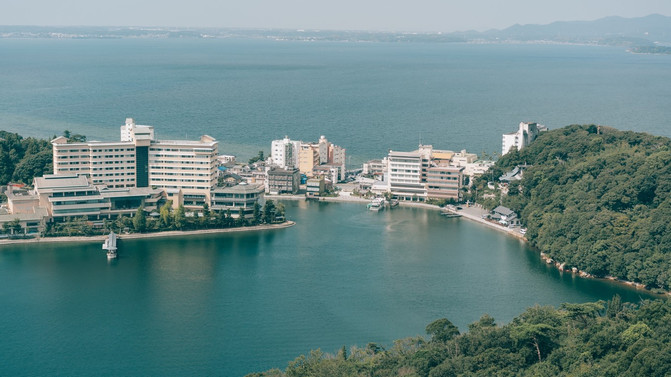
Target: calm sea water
{"points": [[367, 97], [233, 304]]}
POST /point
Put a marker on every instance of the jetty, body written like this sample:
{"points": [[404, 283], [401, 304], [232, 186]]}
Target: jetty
{"points": [[110, 245]]}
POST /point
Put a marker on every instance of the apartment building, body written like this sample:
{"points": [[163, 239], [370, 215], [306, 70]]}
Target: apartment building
{"points": [[138, 160], [284, 153], [289, 154]]}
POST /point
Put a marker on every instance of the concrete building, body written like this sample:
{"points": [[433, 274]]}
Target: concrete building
{"points": [[236, 198], [69, 196], [444, 182], [404, 172], [283, 181], [284, 153], [315, 187], [423, 174], [308, 158], [138, 160], [288, 154], [190, 166], [526, 133]]}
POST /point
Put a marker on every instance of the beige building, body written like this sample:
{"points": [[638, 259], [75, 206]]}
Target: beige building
{"points": [[423, 174], [187, 168]]}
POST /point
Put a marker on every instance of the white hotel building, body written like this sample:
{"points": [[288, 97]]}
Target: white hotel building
{"points": [[186, 170]]}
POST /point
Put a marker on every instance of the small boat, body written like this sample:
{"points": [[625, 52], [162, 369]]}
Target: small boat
{"points": [[376, 204], [110, 245]]}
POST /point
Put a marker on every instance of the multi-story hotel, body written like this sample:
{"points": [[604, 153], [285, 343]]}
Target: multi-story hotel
{"points": [[138, 160], [423, 174]]}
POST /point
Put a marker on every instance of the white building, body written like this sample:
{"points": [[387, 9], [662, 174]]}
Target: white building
{"points": [[284, 153], [178, 166], [526, 134], [404, 172]]}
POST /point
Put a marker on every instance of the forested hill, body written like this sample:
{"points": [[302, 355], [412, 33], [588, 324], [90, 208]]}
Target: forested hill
{"points": [[590, 339], [597, 199]]}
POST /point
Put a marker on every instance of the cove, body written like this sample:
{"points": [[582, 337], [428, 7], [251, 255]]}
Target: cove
{"points": [[233, 303]]}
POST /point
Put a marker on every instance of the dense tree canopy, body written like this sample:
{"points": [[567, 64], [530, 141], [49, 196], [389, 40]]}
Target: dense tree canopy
{"points": [[21, 159], [575, 340], [597, 199]]}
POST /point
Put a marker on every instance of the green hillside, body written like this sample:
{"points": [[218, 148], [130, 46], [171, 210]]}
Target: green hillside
{"points": [[597, 199], [591, 339]]}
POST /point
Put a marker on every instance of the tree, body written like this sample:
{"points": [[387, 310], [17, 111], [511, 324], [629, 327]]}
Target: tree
{"points": [[257, 158], [12, 227], [280, 211], [442, 330], [257, 213], [140, 220], [165, 215], [539, 335], [269, 212], [180, 217]]}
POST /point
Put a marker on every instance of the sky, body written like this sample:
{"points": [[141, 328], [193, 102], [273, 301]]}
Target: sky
{"points": [[374, 15]]}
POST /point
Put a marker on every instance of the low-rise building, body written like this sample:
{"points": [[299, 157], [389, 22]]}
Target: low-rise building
{"points": [[70, 196], [315, 187], [504, 215], [237, 198], [283, 181]]}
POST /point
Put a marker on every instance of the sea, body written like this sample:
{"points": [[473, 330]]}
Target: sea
{"points": [[236, 303]]}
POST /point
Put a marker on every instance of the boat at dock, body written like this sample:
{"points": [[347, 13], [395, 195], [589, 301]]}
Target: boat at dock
{"points": [[376, 204], [449, 213], [110, 245]]}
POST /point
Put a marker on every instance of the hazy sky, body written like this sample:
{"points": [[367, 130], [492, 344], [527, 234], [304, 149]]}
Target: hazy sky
{"points": [[387, 15]]}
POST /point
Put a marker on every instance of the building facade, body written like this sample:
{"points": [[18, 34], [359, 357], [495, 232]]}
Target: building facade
{"points": [[283, 181], [138, 160], [237, 198], [284, 153], [525, 134]]}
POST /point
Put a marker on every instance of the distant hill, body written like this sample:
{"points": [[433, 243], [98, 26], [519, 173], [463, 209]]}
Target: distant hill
{"points": [[648, 32]]}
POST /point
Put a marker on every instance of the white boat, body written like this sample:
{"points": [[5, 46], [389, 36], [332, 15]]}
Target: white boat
{"points": [[376, 204], [110, 245]]}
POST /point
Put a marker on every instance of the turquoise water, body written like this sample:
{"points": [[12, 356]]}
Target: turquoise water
{"points": [[367, 97], [235, 303], [231, 304]]}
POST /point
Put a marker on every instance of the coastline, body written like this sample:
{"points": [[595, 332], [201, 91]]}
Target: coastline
{"points": [[131, 236]]}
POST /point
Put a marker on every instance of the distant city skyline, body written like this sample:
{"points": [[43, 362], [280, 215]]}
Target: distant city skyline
{"points": [[373, 15]]}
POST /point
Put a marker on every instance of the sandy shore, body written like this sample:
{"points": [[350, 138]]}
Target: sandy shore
{"points": [[171, 233]]}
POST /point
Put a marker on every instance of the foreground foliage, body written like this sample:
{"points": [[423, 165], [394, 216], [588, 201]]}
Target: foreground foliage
{"points": [[597, 199], [592, 339]]}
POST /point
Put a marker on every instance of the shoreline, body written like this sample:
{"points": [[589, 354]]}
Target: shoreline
{"points": [[132, 236], [473, 213]]}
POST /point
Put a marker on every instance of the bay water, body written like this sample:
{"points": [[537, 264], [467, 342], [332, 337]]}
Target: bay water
{"points": [[230, 304]]}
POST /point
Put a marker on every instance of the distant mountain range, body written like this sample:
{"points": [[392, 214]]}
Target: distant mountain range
{"points": [[650, 34]]}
